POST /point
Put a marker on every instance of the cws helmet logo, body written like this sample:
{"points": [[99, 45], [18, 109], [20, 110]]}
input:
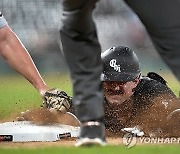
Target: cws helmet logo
{"points": [[113, 64]]}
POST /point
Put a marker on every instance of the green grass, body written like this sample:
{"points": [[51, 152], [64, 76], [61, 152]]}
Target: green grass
{"points": [[172, 83], [17, 94], [160, 149]]}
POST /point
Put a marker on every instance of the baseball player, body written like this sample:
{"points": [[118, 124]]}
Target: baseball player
{"points": [[135, 102], [13, 51], [132, 100], [82, 52]]}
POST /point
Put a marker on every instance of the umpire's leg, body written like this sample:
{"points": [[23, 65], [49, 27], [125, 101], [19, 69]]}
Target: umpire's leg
{"points": [[162, 21], [82, 52]]}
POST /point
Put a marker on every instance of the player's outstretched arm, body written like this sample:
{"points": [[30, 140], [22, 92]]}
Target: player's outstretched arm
{"points": [[19, 59], [13, 51]]}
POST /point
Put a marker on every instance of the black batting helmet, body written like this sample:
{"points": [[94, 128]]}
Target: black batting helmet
{"points": [[120, 64]]}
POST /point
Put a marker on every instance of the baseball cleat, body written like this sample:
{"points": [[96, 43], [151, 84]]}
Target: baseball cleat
{"points": [[91, 133], [90, 142]]}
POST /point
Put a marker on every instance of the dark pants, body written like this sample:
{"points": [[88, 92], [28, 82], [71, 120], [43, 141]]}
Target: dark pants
{"points": [[82, 52], [162, 21]]}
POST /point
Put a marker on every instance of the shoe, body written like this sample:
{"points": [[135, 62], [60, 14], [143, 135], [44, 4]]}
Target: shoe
{"points": [[91, 133]]}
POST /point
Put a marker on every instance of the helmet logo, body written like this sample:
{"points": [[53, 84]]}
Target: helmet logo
{"points": [[113, 64]]}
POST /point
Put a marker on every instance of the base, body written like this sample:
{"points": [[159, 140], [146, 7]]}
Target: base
{"points": [[26, 131]]}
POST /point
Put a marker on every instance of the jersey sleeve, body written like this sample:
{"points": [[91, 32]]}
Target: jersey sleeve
{"points": [[3, 21]]}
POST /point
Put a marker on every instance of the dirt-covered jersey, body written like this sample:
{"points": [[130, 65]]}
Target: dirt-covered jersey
{"points": [[148, 109]]}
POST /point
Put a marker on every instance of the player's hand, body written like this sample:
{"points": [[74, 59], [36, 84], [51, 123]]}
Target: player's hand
{"points": [[56, 100], [134, 131]]}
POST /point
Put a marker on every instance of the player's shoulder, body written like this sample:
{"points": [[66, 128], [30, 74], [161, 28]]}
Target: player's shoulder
{"points": [[153, 84], [152, 78]]}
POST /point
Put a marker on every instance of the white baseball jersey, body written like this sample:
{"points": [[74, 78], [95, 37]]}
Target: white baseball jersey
{"points": [[3, 21]]}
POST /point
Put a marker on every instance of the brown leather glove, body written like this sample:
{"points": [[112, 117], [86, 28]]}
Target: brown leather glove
{"points": [[57, 100]]}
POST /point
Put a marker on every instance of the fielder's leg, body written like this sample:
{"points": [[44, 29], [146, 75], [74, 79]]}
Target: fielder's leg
{"points": [[82, 52]]}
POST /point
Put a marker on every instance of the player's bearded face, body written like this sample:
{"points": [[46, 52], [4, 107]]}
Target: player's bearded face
{"points": [[118, 92]]}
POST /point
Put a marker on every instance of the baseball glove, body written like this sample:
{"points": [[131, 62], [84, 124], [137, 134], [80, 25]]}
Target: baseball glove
{"points": [[57, 100]]}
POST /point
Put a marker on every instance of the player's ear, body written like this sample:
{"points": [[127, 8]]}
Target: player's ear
{"points": [[136, 81]]}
